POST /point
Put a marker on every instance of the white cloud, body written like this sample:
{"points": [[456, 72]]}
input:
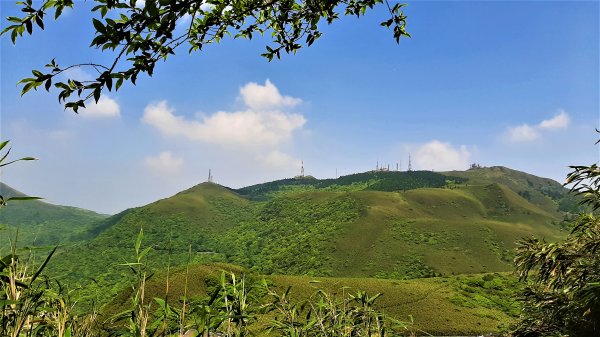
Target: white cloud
{"points": [[522, 133], [527, 133], [106, 107], [560, 121], [265, 97], [278, 159], [164, 163], [140, 3], [440, 156], [258, 131], [259, 126], [241, 128]]}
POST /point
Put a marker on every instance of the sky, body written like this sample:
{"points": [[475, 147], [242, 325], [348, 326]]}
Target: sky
{"points": [[496, 83]]}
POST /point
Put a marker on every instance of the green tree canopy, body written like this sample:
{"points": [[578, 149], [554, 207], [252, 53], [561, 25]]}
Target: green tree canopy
{"points": [[141, 33]]}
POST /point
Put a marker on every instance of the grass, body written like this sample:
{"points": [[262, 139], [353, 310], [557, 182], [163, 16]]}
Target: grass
{"points": [[471, 304]]}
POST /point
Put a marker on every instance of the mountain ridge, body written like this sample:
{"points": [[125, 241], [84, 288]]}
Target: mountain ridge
{"points": [[394, 225]]}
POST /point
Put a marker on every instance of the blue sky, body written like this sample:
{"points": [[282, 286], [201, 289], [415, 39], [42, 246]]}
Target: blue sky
{"points": [[497, 83]]}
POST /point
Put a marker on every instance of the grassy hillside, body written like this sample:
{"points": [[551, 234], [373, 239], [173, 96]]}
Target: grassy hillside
{"points": [[543, 192], [465, 226], [474, 304], [40, 223]]}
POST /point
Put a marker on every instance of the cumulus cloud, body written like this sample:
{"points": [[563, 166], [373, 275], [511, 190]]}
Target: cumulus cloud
{"points": [[241, 128], [261, 125], [522, 133], [106, 107], [527, 133], [560, 121], [440, 156], [265, 97], [259, 129], [165, 162]]}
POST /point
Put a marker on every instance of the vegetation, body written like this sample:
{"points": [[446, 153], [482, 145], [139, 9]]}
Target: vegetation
{"points": [[385, 181], [31, 307], [42, 224], [424, 232], [140, 36], [563, 293]]}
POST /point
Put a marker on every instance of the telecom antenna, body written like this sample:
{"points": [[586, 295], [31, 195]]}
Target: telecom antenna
{"points": [[397, 167], [210, 177], [409, 163], [377, 167], [302, 169]]}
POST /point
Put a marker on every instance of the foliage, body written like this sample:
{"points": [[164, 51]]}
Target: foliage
{"points": [[4, 162], [292, 235], [385, 181], [563, 293], [398, 235], [487, 291], [326, 314], [42, 224], [140, 36], [34, 308]]}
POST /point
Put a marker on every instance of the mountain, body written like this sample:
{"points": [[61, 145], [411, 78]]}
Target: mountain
{"points": [[40, 223], [397, 225]]}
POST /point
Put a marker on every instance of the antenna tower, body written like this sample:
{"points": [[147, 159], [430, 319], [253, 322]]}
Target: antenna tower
{"points": [[409, 163], [210, 177], [302, 169]]}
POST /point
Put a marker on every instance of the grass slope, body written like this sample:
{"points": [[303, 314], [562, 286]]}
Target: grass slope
{"points": [[474, 304], [547, 194], [40, 223]]}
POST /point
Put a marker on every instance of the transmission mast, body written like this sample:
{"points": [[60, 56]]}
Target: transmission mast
{"points": [[210, 177], [409, 163]]}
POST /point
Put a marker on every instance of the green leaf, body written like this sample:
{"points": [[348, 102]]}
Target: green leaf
{"points": [[4, 143], [119, 83], [23, 198], [39, 271], [99, 26], [138, 242]]}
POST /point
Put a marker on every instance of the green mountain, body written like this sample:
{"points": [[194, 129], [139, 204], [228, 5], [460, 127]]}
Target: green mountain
{"points": [[396, 225], [40, 223]]}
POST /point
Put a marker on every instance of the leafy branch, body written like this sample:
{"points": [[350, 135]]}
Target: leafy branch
{"points": [[142, 36]]}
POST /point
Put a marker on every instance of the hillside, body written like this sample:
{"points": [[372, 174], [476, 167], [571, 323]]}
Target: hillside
{"points": [[543, 192], [40, 223], [431, 225], [474, 304]]}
